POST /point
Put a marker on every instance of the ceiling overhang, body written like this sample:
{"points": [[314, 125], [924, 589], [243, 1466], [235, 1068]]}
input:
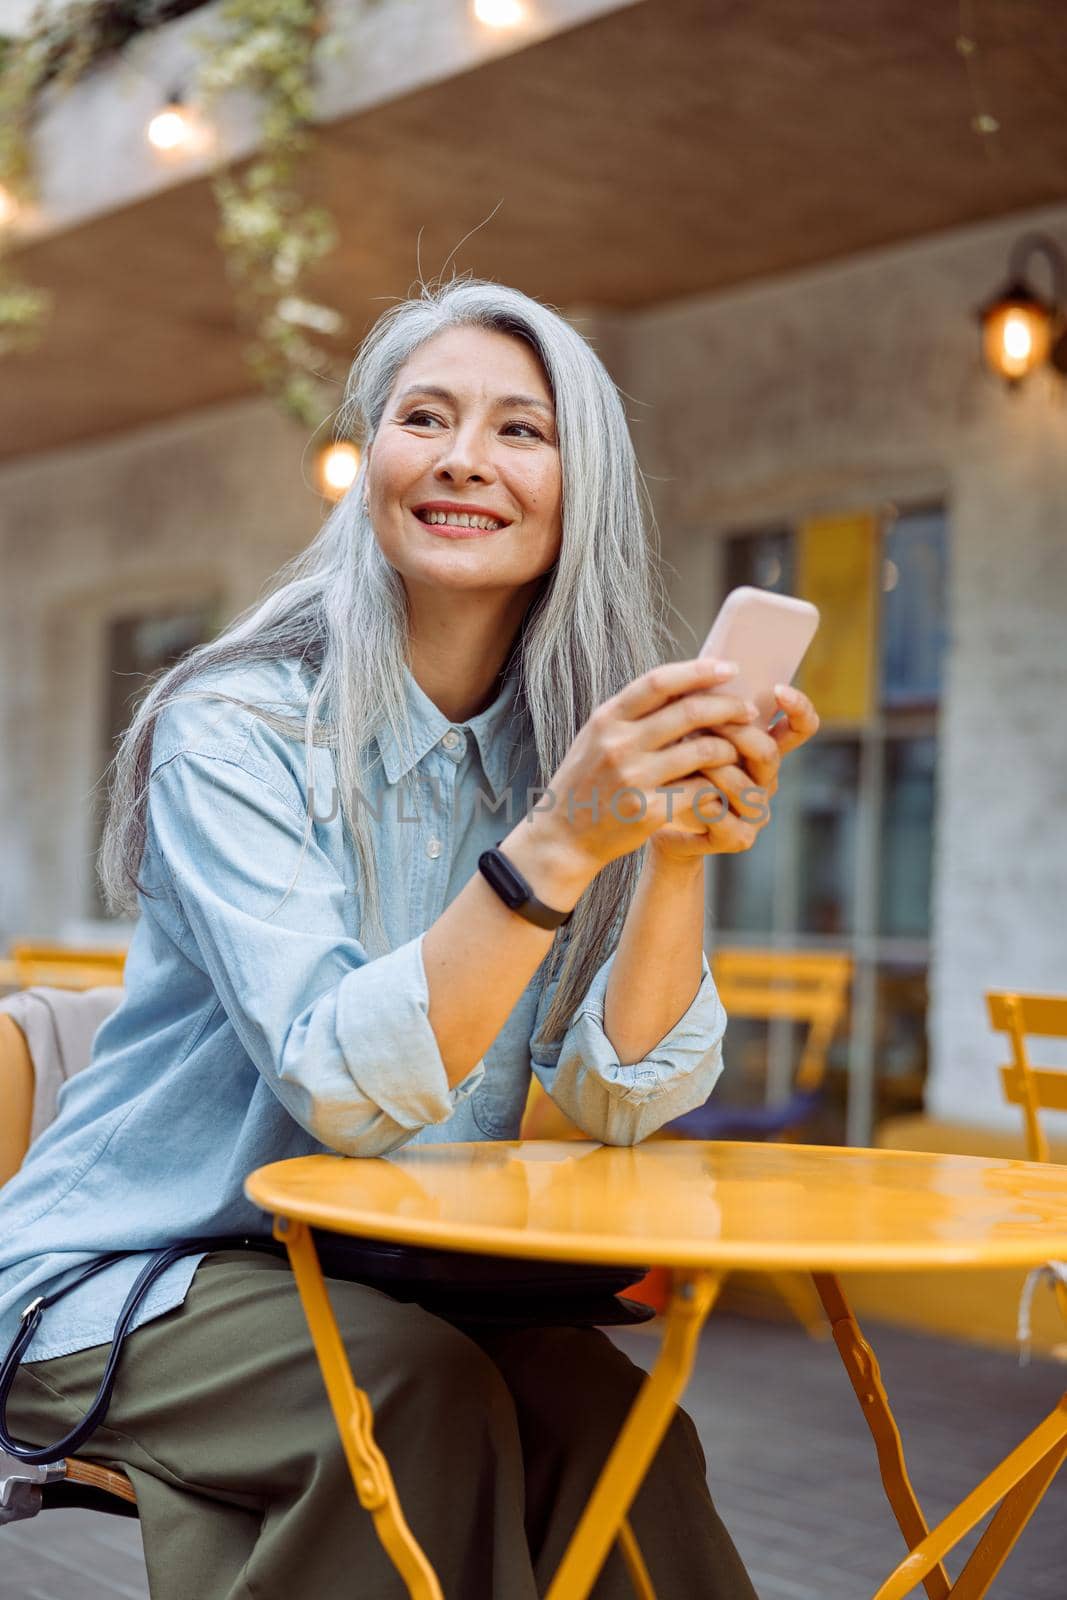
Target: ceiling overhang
{"points": [[663, 150]]}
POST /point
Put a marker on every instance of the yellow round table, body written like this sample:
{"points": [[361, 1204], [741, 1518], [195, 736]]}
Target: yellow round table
{"points": [[702, 1208]]}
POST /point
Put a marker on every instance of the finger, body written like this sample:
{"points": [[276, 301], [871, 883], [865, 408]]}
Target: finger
{"points": [[730, 835], [802, 720], [691, 715], [702, 843], [689, 805], [760, 755], [714, 795], [665, 683], [748, 801], [690, 757]]}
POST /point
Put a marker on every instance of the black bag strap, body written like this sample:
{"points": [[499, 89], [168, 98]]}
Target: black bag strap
{"points": [[31, 1316]]}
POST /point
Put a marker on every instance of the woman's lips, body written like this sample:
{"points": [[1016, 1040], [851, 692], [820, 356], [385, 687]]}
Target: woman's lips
{"points": [[443, 531]]}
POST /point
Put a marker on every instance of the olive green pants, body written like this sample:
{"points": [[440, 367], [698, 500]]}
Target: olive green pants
{"points": [[494, 1439]]}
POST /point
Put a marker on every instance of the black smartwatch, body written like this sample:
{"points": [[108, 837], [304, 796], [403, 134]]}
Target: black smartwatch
{"points": [[516, 893]]}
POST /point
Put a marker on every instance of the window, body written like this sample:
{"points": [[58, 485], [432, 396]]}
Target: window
{"points": [[827, 786], [905, 859], [136, 648], [912, 633], [846, 861]]}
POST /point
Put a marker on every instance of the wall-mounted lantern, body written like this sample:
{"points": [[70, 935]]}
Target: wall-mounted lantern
{"points": [[1020, 329]]}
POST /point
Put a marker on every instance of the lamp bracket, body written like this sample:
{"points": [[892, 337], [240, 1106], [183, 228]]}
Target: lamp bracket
{"points": [[1031, 244]]}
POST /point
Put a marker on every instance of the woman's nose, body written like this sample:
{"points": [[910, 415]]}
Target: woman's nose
{"points": [[462, 460]]}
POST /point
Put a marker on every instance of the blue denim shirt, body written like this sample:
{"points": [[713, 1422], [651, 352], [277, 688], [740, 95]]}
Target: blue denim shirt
{"points": [[249, 1033]]}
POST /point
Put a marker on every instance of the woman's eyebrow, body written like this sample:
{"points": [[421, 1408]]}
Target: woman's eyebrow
{"points": [[502, 402]]}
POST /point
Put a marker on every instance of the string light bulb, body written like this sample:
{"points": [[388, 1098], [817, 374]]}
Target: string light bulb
{"points": [[336, 468], [1021, 330], [172, 129], [499, 13]]}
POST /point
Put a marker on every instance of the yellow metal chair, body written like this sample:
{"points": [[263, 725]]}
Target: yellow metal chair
{"points": [[71, 1482], [1032, 1088], [61, 966], [806, 986]]}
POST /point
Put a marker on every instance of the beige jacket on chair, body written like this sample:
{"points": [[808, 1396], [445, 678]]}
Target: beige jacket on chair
{"points": [[59, 1026]]}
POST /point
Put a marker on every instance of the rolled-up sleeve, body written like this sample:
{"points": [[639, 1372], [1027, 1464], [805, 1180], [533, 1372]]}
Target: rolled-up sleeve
{"points": [[620, 1104], [343, 1040]]}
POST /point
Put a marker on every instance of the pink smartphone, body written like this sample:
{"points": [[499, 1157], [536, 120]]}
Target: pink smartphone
{"points": [[767, 635]]}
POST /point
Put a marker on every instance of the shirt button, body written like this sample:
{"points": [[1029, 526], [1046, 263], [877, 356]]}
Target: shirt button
{"points": [[451, 739], [433, 848]]}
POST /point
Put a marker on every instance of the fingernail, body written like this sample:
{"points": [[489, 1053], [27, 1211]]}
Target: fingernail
{"points": [[752, 708], [727, 669], [785, 692]]}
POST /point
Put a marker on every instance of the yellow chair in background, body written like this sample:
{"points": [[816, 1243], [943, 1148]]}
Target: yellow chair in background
{"points": [[807, 986], [1032, 1088], [61, 966], [16, 1097], [72, 1482]]}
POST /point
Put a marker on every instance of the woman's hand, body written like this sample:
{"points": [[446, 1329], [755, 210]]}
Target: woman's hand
{"points": [[734, 818], [641, 758]]}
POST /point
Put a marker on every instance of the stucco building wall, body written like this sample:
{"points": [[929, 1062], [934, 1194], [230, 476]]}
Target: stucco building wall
{"points": [[209, 505], [855, 385]]}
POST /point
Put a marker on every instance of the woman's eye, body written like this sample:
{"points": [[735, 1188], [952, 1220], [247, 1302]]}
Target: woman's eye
{"points": [[420, 418]]}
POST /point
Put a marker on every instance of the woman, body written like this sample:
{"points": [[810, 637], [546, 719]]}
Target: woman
{"points": [[297, 815]]}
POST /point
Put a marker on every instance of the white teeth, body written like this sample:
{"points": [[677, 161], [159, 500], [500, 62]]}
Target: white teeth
{"points": [[459, 519]]}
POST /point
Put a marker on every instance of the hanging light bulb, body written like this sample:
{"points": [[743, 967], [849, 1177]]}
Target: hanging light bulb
{"points": [[499, 13], [9, 206], [336, 468], [172, 128], [1020, 329]]}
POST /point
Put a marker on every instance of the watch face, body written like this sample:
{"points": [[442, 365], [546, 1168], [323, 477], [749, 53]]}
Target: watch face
{"points": [[503, 878]]}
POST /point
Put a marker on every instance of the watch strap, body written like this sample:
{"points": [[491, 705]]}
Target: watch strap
{"points": [[509, 883]]}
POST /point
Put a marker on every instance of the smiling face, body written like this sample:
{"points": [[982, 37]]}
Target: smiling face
{"points": [[469, 428]]}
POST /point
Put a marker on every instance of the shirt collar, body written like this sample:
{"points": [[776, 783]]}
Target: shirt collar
{"points": [[490, 729]]}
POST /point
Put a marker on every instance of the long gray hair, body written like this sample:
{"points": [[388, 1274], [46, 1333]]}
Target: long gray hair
{"points": [[598, 621]]}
